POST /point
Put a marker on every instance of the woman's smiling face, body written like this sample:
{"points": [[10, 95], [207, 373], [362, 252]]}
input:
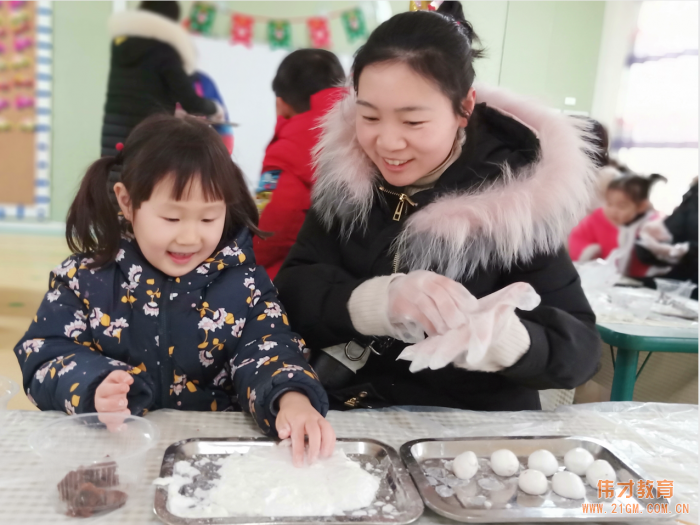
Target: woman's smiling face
{"points": [[405, 124]]}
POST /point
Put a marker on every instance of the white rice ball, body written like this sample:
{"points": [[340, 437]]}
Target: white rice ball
{"points": [[504, 462], [577, 460], [568, 485], [465, 465], [544, 461], [532, 482], [600, 469]]}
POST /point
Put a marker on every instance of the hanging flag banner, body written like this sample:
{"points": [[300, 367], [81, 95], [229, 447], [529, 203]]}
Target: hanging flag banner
{"points": [[242, 29], [201, 18], [354, 23], [279, 34], [319, 33]]}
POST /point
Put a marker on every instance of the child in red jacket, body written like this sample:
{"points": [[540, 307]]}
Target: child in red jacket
{"points": [[617, 224], [304, 87]]}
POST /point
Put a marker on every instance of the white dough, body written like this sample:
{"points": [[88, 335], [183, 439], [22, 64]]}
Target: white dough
{"points": [[504, 462], [264, 482], [568, 485], [465, 465], [600, 469], [544, 461], [577, 460], [532, 482]]}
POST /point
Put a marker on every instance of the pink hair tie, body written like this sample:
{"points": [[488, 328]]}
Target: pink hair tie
{"points": [[119, 146]]}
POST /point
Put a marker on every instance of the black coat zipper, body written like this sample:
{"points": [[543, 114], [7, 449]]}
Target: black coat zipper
{"points": [[166, 365], [398, 213]]}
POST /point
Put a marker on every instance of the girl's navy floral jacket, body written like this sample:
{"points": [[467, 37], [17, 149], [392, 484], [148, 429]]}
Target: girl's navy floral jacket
{"points": [[199, 342]]}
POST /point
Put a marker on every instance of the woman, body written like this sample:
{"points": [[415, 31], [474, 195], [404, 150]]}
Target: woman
{"points": [[426, 201]]}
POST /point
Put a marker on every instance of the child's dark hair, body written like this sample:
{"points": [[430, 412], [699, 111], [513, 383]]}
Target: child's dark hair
{"points": [[437, 45], [305, 72], [636, 187], [164, 8], [161, 146]]}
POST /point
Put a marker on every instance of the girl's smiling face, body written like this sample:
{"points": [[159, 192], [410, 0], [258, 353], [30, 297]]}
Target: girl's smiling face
{"points": [[405, 124], [175, 236]]}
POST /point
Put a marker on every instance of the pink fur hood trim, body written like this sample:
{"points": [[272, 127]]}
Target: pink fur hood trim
{"points": [[520, 215]]}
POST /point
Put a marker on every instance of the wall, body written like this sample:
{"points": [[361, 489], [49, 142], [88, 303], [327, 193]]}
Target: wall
{"points": [[545, 49], [551, 51], [81, 64]]}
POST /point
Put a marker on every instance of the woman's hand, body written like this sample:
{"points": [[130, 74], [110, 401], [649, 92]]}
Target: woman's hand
{"points": [[110, 399], [423, 301], [296, 419]]}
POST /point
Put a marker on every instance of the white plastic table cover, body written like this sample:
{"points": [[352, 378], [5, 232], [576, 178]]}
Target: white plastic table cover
{"points": [[660, 440]]}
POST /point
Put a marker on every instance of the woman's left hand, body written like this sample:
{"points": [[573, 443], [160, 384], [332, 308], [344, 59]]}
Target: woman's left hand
{"points": [[493, 338], [296, 419]]}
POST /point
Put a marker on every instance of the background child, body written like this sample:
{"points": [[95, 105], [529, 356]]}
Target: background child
{"points": [[617, 223], [305, 90], [166, 308]]}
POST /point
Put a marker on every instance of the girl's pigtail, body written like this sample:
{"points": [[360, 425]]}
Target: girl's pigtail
{"points": [[92, 226]]}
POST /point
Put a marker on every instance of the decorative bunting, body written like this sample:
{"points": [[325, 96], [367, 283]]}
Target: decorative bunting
{"points": [[279, 33], [242, 29], [201, 18], [354, 23], [319, 34]]}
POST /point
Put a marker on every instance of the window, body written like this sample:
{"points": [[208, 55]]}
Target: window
{"points": [[657, 119]]}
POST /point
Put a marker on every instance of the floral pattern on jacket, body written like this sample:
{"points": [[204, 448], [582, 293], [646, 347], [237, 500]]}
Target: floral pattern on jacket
{"points": [[208, 340]]}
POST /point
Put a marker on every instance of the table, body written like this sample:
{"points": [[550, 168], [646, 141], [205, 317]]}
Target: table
{"points": [[660, 440], [630, 339], [630, 320]]}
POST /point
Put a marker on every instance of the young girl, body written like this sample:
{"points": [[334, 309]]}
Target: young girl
{"points": [[166, 308], [430, 195], [616, 224]]}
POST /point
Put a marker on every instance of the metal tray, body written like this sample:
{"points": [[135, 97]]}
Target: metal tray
{"points": [[396, 487], [488, 498]]}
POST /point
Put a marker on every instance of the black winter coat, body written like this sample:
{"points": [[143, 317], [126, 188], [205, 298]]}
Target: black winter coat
{"points": [[151, 57], [516, 190], [683, 225]]}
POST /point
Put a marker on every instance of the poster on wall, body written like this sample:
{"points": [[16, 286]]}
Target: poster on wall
{"points": [[25, 109]]}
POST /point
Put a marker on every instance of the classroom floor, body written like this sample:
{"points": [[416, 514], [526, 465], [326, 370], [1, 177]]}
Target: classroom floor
{"points": [[26, 260]]}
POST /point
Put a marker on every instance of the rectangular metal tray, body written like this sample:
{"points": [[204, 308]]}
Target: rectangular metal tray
{"points": [[396, 487], [507, 503]]}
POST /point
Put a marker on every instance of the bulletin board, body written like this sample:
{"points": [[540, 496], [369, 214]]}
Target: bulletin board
{"points": [[25, 108]]}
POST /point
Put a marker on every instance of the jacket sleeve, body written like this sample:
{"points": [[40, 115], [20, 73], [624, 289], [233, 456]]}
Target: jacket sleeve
{"points": [[60, 361], [181, 87], [269, 358], [315, 287], [565, 346], [679, 225], [581, 237], [283, 216]]}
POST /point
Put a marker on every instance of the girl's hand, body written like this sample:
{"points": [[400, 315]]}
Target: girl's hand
{"points": [[110, 399], [296, 419]]}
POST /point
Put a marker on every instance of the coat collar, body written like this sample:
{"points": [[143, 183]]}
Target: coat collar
{"points": [[238, 252], [150, 25], [526, 210]]}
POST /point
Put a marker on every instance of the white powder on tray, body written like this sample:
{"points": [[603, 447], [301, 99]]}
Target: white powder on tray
{"points": [[264, 482]]}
